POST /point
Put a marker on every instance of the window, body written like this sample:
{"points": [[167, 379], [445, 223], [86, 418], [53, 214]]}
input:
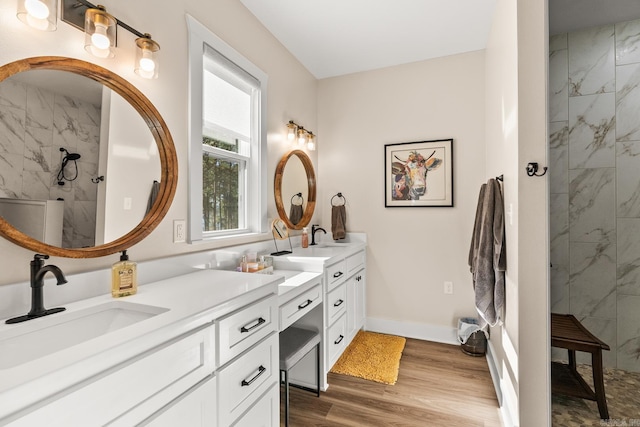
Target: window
{"points": [[227, 139]]}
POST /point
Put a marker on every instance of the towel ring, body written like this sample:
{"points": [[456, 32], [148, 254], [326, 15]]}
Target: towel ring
{"points": [[344, 199], [298, 195]]}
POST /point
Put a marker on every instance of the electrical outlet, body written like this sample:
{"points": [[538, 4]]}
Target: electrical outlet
{"points": [[448, 287], [179, 231]]}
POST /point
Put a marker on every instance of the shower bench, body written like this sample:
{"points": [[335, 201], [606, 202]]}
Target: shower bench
{"points": [[568, 333]]}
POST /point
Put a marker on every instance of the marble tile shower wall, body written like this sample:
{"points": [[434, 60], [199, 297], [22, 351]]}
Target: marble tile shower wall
{"points": [[594, 114], [34, 124]]}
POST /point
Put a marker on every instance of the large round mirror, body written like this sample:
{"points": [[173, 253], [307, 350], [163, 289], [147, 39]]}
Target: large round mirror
{"points": [[87, 165], [295, 189]]}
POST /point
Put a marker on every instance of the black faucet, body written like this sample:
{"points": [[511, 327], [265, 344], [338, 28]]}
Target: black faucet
{"points": [[38, 270], [314, 228]]}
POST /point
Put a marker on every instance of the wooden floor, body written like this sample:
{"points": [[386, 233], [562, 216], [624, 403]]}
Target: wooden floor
{"points": [[437, 385]]}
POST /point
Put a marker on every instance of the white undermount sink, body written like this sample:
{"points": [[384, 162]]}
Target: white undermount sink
{"points": [[36, 338]]}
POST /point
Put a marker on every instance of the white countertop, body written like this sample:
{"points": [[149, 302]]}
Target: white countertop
{"points": [[192, 300], [315, 258]]}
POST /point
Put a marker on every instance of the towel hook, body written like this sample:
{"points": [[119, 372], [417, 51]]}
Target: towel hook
{"points": [[344, 199], [532, 169]]}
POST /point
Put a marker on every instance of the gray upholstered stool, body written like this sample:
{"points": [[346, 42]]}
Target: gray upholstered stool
{"points": [[295, 343]]}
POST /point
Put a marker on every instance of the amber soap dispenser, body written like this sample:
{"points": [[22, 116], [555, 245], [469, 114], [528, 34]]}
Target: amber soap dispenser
{"points": [[124, 278]]}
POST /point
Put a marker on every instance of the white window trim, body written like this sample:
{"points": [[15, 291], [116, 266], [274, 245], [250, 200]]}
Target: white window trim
{"points": [[199, 35]]}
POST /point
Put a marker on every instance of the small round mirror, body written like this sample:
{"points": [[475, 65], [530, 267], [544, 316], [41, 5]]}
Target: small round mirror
{"points": [[295, 189]]}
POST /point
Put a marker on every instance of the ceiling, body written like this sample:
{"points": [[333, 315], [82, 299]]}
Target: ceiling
{"points": [[570, 15], [336, 37]]}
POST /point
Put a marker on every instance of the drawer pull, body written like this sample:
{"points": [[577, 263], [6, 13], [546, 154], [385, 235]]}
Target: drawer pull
{"points": [[339, 340], [338, 274], [261, 370], [338, 303], [259, 322], [304, 304]]}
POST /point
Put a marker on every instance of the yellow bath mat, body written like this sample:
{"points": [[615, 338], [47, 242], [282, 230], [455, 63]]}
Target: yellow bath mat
{"points": [[372, 356]]}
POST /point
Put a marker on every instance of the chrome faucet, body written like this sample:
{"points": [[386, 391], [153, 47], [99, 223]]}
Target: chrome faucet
{"points": [[314, 228], [38, 270]]}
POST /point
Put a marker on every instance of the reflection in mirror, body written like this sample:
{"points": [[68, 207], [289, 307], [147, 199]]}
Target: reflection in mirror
{"points": [[113, 151], [59, 132], [295, 189]]}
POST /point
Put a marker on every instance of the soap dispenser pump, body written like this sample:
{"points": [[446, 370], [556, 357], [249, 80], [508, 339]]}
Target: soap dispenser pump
{"points": [[124, 277]]}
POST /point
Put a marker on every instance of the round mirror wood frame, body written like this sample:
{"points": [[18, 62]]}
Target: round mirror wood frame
{"points": [[157, 126], [311, 193]]}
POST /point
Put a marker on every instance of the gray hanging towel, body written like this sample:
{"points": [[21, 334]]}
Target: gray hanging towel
{"points": [[487, 255], [155, 188], [295, 214], [338, 222]]}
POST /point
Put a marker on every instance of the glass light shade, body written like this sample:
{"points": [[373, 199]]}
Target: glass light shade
{"points": [[302, 138], [147, 57], [39, 14], [99, 33], [311, 143], [291, 130]]}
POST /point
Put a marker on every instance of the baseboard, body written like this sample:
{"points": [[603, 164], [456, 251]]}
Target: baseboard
{"points": [[509, 408], [506, 403], [492, 363], [421, 331]]}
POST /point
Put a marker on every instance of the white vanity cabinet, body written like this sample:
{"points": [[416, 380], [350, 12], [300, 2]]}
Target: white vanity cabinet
{"points": [[193, 409], [252, 338], [214, 363], [128, 393], [356, 293], [345, 304]]}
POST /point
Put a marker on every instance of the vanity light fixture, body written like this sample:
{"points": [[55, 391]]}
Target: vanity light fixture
{"points": [[147, 57], [101, 35], [303, 136], [292, 130], [311, 142], [99, 32], [39, 14]]}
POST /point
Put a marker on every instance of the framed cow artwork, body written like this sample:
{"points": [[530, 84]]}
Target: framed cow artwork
{"points": [[419, 174]]}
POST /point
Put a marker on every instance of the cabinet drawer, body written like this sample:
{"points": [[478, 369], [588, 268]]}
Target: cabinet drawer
{"points": [[299, 306], [246, 379], [336, 339], [336, 303], [336, 274], [355, 262], [142, 387], [265, 413], [245, 327]]}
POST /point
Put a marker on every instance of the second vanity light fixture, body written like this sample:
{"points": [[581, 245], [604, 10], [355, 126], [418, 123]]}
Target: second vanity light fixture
{"points": [[100, 30], [303, 136]]}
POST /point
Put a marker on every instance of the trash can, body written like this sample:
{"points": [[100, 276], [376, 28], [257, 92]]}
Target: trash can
{"points": [[473, 340]]}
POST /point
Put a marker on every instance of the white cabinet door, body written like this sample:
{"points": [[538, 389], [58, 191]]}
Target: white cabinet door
{"points": [[129, 393], [355, 303], [195, 409], [361, 300], [265, 413]]}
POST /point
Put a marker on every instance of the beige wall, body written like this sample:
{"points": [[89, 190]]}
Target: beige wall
{"points": [[291, 95], [516, 134], [411, 251], [501, 157]]}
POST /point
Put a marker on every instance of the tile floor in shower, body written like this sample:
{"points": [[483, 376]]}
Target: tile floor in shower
{"points": [[622, 389]]}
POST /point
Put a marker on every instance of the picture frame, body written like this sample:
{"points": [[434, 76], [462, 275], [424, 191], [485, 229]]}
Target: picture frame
{"points": [[419, 174]]}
